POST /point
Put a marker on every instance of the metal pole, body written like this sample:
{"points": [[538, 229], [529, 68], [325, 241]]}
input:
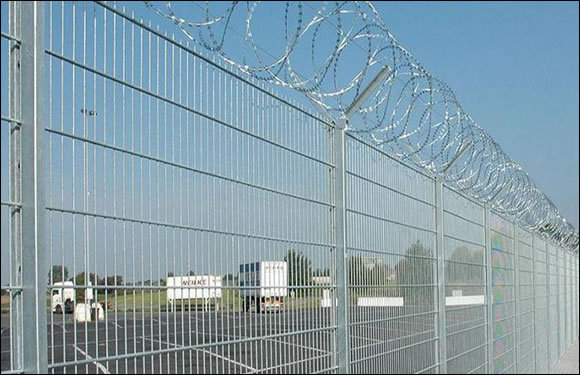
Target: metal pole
{"points": [[15, 112], [339, 186], [343, 347], [490, 366], [558, 303], [548, 307], [34, 269], [517, 295], [442, 328], [534, 291]]}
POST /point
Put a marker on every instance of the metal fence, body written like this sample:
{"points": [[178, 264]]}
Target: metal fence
{"points": [[129, 160]]}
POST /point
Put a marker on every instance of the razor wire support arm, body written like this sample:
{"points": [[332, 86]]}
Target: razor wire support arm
{"points": [[34, 269]]}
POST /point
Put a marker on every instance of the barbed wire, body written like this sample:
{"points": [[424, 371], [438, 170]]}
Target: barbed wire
{"points": [[331, 53]]}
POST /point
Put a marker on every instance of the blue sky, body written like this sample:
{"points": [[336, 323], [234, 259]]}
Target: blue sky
{"points": [[514, 68]]}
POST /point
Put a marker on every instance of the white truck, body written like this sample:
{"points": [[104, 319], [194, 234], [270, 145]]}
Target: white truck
{"points": [[64, 299], [207, 288], [264, 285]]}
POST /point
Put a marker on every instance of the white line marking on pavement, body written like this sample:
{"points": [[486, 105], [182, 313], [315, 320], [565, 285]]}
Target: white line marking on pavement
{"points": [[117, 325], [204, 351], [61, 327], [299, 346], [367, 338], [100, 366]]}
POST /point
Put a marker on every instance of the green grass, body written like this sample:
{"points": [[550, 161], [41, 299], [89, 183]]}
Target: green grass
{"points": [[134, 300], [156, 300]]}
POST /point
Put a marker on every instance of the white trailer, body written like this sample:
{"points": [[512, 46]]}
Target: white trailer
{"points": [[64, 296], [264, 285], [207, 288]]}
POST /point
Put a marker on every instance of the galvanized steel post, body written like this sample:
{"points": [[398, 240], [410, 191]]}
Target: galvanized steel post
{"points": [[516, 294], [534, 291], [548, 307], [442, 329], [34, 268], [339, 184], [15, 111], [558, 305], [489, 290]]}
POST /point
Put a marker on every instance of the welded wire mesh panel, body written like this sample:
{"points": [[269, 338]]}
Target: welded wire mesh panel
{"points": [[188, 209], [465, 281], [525, 321], [503, 286], [391, 264], [541, 305], [553, 303], [11, 192]]}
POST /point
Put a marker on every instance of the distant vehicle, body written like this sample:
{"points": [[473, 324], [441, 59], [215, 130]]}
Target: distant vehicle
{"points": [[64, 299], [264, 285], [204, 288]]}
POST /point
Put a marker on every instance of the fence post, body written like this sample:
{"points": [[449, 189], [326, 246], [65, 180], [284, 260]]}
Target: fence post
{"points": [[490, 365], [548, 308], [15, 186], [577, 294], [559, 299], [441, 325], [34, 270], [339, 186], [534, 291], [516, 295]]}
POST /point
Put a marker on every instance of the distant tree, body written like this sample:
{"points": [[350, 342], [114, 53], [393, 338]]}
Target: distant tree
{"points": [[57, 274], [170, 274], [463, 268], [191, 273], [414, 276], [114, 280], [81, 280], [366, 273], [299, 270]]}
